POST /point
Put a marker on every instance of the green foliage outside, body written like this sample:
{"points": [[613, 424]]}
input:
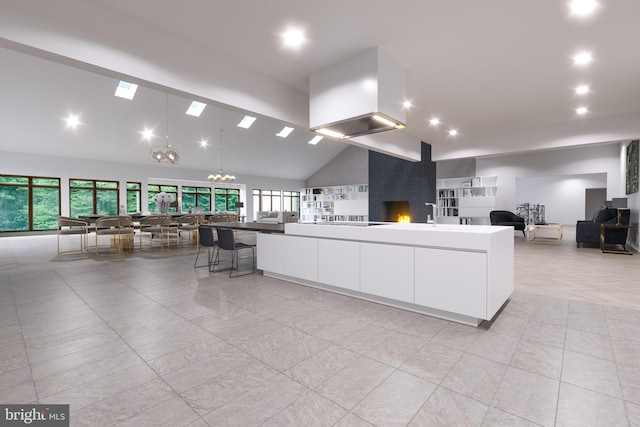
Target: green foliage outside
{"points": [[14, 208], [14, 203]]}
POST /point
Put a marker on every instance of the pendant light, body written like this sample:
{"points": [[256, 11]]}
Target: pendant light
{"points": [[166, 153], [221, 176]]}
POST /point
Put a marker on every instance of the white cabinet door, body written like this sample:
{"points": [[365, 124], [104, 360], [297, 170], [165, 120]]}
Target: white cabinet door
{"points": [[301, 257], [339, 263], [454, 281], [387, 271], [271, 252]]}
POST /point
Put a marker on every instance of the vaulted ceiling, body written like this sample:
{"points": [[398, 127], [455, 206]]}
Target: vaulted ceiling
{"points": [[484, 68]]}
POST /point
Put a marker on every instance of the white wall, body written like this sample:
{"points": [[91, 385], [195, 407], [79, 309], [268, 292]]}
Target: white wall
{"points": [[70, 168], [594, 159], [351, 166], [563, 196]]}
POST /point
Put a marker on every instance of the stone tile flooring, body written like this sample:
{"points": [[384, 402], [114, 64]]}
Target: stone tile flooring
{"points": [[144, 339]]}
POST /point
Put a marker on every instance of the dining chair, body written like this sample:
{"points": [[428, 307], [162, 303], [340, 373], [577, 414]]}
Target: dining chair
{"points": [[227, 242], [155, 226], [190, 224], [206, 240], [119, 227], [73, 226]]}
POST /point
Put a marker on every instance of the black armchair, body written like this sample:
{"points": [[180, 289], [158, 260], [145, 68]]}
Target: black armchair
{"points": [[507, 218], [589, 231]]}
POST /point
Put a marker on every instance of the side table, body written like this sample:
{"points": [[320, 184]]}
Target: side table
{"points": [[603, 233]]}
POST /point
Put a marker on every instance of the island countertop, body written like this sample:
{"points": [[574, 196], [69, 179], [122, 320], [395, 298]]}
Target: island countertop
{"points": [[462, 273], [477, 237]]}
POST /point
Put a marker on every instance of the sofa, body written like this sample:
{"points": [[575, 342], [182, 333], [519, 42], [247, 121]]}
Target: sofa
{"points": [[507, 219], [277, 217], [589, 231]]}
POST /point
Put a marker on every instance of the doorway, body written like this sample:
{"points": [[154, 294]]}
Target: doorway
{"points": [[594, 198]]}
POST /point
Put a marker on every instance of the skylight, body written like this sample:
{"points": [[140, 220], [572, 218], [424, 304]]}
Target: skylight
{"points": [[196, 108], [284, 132], [246, 122], [126, 90], [315, 139]]}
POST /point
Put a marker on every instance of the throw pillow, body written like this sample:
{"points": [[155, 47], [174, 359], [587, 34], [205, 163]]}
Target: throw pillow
{"points": [[603, 215]]}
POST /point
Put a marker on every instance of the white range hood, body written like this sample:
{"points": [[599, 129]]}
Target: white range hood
{"points": [[359, 96]]}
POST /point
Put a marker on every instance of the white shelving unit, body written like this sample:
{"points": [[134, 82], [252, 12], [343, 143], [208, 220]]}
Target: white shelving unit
{"points": [[466, 200], [335, 203]]}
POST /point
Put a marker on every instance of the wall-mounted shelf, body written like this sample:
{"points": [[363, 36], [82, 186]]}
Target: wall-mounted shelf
{"points": [[466, 200], [335, 203]]}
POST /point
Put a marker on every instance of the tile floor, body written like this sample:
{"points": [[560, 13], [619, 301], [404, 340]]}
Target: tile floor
{"points": [[147, 340]]}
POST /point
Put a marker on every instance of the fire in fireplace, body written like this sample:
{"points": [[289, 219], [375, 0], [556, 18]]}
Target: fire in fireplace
{"points": [[395, 211]]}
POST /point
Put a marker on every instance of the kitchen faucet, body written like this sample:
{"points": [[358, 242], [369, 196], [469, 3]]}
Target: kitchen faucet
{"points": [[433, 211]]}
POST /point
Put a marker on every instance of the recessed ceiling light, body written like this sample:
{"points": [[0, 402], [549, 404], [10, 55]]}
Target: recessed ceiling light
{"points": [[293, 37], [315, 139], [246, 122], [453, 132], [582, 110], [434, 121], [407, 104], [72, 121], [581, 90], [284, 132], [126, 90], [196, 108], [203, 143], [147, 134], [582, 58], [583, 7]]}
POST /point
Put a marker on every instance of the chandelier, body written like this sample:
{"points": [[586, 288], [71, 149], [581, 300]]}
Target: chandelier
{"points": [[221, 176], [166, 153]]}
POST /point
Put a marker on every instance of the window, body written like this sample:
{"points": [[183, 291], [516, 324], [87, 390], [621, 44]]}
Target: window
{"points": [[154, 189], [91, 197], [133, 197], [267, 200], [29, 203], [193, 197], [291, 201], [226, 199]]}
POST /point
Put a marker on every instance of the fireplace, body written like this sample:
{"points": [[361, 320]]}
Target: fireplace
{"points": [[395, 211]]}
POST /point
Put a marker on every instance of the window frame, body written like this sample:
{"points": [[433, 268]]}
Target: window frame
{"points": [[30, 185], [95, 188]]}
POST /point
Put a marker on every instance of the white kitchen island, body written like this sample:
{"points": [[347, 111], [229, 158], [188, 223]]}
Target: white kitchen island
{"points": [[462, 273]]}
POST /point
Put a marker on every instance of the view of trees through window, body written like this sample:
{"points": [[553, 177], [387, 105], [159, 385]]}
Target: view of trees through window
{"points": [[193, 197], [89, 197], [133, 196], [29, 203], [226, 199], [33, 203]]}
